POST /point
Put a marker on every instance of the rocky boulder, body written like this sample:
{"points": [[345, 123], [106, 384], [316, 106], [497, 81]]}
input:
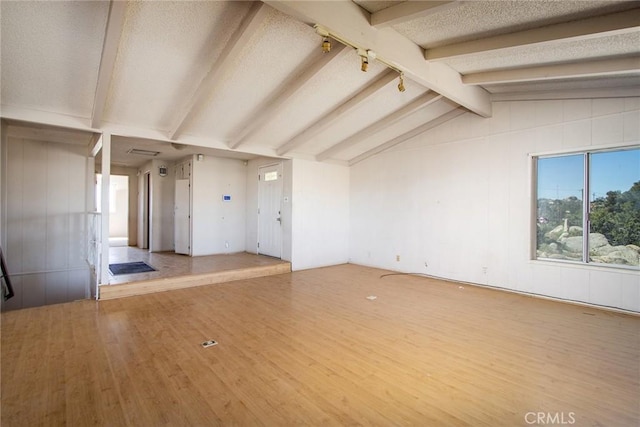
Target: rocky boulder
{"points": [[597, 240], [572, 244], [615, 255], [567, 244]]}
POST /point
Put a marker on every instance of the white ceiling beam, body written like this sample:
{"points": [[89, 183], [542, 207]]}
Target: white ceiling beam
{"points": [[23, 115], [349, 22], [329, 118], [274, 103], [250, 24], [113, 32], [96, 145], [604, 68], [408, 135], [50, 135], [606, 25], [12, 112], [605, 92], [409, 10], [418, 103], [256, 150]]}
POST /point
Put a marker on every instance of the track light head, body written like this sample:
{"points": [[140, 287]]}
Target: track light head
{"points": [[326, 45], [364, 66], [401, 87], [365, 54]]}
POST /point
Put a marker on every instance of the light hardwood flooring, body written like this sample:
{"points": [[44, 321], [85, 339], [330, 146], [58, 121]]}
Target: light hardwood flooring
{"points": [[169, 264], [309, 348], [179, 271]]}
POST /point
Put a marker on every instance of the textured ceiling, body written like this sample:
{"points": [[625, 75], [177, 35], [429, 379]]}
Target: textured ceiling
{"points": [[51, 53], [489, 18], [340, 79], [376, 5], [165, 50], [570, 51], [245, 79], [239, 97]]}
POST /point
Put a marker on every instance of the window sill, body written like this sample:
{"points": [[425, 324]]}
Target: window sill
{"points": [[591, 266]]}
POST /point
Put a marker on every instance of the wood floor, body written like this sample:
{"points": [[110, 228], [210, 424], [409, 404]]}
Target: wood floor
{"points": [[179, 271], [309, 348], [169, 264]]}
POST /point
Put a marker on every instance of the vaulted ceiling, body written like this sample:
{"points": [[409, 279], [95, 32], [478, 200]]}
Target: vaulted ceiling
{"points": [[247, 79]]}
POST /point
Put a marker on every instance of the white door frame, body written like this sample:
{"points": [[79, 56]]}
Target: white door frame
{"points": [[146, 211], [277, 253], [179, 212]]}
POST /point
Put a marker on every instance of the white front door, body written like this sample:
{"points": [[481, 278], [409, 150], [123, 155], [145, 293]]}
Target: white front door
{"points": [[269, 210], [182, 217]]}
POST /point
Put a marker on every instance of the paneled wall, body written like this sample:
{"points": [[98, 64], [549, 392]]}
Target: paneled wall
{"points": [[217, 226], [161, 209], [456, 201], [315, 212], [46, 222], [320, 214]]}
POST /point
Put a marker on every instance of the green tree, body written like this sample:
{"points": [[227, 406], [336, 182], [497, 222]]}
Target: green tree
{"points": [[617, 216]]}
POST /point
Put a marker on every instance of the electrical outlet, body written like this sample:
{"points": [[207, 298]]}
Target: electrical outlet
{"points": [[397, 257], [226, 244], [484, 270], [209, 343], [426, 265]]}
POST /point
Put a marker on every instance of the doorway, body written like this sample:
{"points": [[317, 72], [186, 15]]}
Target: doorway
{"points": [[118, 208], [270, 210], [182, 217], [146, 211]]}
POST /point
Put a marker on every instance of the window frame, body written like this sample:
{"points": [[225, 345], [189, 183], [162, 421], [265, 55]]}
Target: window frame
{"points": [[586, 205]]}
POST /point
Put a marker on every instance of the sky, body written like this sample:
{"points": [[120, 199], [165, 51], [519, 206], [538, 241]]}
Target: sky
{"points": [[561, 177]]}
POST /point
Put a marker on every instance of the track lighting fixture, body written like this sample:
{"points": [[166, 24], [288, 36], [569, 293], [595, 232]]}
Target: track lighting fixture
{"points": [[366, 55], [326, 45], [324, 33], [401, 87]]}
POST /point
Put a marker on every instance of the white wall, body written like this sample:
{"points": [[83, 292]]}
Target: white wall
{"points": [[315, 212], [132, 222], [119, 210], [320, 214], [46, 222], [162, 201], [3, 193], [458, 199], [218, 227]]}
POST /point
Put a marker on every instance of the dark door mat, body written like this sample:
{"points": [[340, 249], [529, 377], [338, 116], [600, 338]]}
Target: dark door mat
{"points": [[130, 268]]}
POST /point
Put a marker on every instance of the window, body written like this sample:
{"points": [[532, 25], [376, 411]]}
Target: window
{"points": [[588, 207], [271, 176]]}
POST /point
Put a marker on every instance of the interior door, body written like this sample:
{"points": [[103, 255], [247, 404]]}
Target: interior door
{"points": [[146, 212], [182, 218], [269, 211]]}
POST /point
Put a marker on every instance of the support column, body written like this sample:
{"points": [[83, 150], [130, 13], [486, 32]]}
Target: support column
{"points": [[106, 185]]}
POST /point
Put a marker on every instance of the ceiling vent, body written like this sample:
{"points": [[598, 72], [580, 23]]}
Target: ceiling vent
{"points": [[141, 152]]}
